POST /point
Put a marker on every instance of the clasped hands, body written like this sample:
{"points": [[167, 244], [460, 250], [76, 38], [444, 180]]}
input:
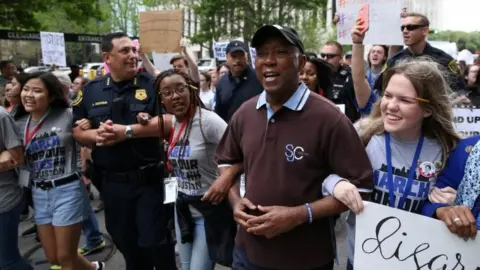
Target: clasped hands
{"points": [[271, 221], [109, 133]]}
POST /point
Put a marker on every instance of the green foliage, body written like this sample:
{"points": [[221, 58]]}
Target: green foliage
{"points": [[464, 40], [124, 15], [20, 14], [224, 19]]}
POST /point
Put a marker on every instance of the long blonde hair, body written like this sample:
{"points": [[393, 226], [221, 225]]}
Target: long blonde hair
{"points": [[428, 79]]}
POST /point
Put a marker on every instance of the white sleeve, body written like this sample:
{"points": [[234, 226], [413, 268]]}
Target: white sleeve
{"points": [[329, 184]]}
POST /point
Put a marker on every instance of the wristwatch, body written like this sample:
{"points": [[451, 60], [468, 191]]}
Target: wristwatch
{"points": [[129, 132]]}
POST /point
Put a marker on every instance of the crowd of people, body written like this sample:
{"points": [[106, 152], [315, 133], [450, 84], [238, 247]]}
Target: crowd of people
{"points": [[247, 167]]}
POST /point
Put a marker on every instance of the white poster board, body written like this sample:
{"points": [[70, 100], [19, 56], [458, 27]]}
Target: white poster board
{"points": [[161, 61], [53, 49], [393, 239], [253, 55], [219, 50], [467, 120], [385, 21]]}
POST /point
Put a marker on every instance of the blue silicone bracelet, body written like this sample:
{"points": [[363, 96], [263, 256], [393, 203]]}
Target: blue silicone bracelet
{"points": [[310, 214]]}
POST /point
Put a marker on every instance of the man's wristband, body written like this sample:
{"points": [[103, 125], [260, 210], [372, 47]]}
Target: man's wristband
{"points": [[310, 214], [358, 42]]}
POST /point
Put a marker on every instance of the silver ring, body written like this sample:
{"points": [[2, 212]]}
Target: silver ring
{"points": [[456, 219]]}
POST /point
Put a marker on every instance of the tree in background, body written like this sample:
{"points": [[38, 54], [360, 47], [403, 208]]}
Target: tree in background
{"points": [[464, 40], [226, 19], [19, 14]]}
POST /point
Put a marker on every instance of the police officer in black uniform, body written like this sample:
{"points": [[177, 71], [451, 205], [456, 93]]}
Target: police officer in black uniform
{"points": [[415, 29], [343, 93], [127, 163]]}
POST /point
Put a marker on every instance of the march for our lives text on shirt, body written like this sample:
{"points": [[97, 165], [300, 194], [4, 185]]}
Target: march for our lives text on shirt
{"points": [[415, 196], [46, 156], [186, 170]]}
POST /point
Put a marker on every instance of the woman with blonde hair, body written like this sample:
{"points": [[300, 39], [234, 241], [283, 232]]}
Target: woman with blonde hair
{"points": [[408, 138]]}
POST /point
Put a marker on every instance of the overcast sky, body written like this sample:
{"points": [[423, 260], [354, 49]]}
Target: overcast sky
{"points": [[461, 15]]}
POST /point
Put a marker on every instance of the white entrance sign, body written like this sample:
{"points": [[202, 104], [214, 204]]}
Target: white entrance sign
{"points": [[53, 49], [467, 120], [384, 21], [393, 239]]}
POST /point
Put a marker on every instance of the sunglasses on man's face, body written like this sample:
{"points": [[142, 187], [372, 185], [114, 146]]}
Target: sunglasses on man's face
{"points": [[328, 55], [411, 27]]}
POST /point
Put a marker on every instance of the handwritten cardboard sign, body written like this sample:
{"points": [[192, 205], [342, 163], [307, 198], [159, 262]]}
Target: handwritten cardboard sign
{"points": [[393, 239], [467, 120], [53, 48], [161, 31], [384, 18]]}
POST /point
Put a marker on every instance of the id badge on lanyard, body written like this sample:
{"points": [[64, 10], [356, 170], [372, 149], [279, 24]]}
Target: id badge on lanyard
{"points": [[171, 190], [171, 183]]}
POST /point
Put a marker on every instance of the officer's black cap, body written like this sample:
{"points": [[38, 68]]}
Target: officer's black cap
{"points": [[266, 32], [235, 46]]}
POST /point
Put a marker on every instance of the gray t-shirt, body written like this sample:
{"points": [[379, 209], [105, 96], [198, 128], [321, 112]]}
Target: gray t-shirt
{"points": [[52, 153], [195, 169], [10, 191], [402, 157]]}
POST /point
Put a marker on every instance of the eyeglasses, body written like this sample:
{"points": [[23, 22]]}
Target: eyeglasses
{"points": [[411, 27], [328, 55], [168, 93]]}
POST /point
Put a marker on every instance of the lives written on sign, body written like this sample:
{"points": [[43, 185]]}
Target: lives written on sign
{"points": [[389, 238], [467, 120]]}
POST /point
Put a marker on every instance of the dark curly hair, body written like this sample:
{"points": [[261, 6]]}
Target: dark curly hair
{"points": [[195, 104], [325, 75]]}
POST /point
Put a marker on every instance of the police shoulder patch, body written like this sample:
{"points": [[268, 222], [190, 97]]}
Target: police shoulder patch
{"points": [[78, 99], [452, 65]]}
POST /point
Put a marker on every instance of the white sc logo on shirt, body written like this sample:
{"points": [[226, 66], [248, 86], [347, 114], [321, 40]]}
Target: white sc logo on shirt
{"points": [[293, 153]]}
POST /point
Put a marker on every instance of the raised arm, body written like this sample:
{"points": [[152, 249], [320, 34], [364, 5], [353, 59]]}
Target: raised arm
{"points": [[363, 93]]}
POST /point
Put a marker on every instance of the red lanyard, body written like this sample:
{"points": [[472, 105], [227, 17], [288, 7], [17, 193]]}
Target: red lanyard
{"points": [[29, 135], [172, 142]]}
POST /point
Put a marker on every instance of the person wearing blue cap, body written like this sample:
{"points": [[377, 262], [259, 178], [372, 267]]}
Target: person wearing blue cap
{"points": [[239, 85]]}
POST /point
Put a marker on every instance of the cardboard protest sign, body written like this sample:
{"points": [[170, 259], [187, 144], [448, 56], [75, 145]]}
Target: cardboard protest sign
{"points": [[161, 31]]}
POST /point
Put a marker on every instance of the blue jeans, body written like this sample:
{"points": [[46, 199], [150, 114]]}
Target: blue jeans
{"points": [[194, 256], [10, 258], [61, 206], [349, 265], [91, 230]]}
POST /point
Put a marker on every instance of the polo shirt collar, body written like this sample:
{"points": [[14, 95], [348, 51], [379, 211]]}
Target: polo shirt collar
{"points": [[295, 103]]}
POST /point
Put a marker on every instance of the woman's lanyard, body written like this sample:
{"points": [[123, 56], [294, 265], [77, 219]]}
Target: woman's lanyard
{"points": [[411, 173], [173, 141], [29, 135]]}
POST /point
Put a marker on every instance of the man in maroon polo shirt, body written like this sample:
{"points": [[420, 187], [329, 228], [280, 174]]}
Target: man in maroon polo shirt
{"points": [[288, 139]]}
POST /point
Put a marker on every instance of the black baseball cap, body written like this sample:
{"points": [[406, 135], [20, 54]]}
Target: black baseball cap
{"points": [[268, 31], [235, 46]]}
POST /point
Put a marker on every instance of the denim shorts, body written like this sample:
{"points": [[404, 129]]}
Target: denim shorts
{"points": [[61, 206]]}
